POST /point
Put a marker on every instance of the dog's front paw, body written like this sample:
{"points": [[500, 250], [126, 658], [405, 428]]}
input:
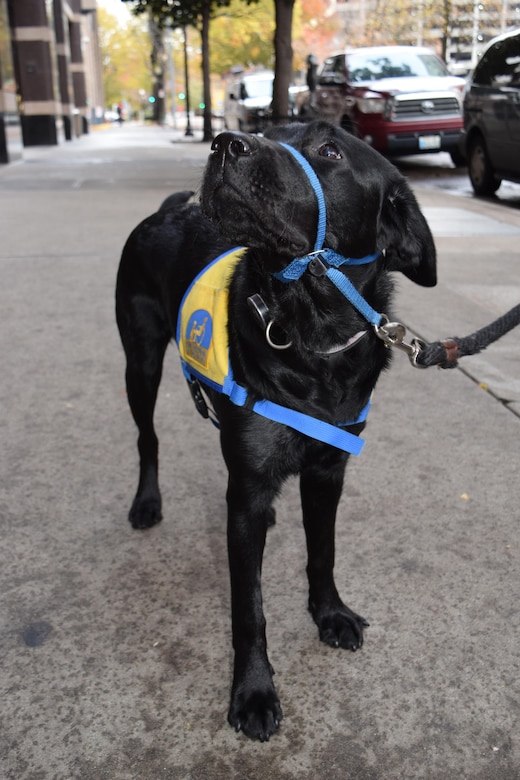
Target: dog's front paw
{"points": [[257, 714], [342, 628], [145, 512]]}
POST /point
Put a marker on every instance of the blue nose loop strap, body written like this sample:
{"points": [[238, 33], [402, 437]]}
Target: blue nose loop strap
{"points": [[315, 182]]}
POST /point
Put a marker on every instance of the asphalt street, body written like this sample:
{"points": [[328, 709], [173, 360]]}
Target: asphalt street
{"points": [[115, 644]]}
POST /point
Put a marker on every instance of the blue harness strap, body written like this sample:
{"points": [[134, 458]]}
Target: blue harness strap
{"points": [[346, 287], [298, 421]]}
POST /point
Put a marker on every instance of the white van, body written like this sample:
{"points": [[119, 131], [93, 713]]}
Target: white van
{"points": [[248, 101]]}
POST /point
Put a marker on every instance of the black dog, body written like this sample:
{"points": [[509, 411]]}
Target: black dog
{"points": [[320, 357]]}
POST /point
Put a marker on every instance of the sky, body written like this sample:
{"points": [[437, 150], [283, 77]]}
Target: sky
{"points": [[116, 7]]}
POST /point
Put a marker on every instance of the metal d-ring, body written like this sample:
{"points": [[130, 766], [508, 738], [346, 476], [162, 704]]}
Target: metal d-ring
{"points": [[270, 341]]}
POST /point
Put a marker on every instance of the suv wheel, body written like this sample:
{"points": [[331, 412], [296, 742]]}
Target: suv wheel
{"points": [[480, 170]]}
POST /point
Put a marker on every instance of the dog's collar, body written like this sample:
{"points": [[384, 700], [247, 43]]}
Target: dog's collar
{"points": [[323, 261]]}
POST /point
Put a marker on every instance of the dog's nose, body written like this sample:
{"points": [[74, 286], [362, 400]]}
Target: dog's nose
{"points": [[232, 144]]}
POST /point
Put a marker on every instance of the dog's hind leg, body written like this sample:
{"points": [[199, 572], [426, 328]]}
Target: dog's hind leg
{"points": [[145, 336], [321, 483]]}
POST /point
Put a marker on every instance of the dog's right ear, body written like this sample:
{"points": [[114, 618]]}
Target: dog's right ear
{"points": [[404, 234]]}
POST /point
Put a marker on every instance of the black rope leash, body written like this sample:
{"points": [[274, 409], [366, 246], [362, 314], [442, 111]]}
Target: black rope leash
{"points": [[447, 352]]}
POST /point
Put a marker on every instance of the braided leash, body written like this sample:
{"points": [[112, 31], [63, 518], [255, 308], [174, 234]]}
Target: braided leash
{"points": [[447, 352]]}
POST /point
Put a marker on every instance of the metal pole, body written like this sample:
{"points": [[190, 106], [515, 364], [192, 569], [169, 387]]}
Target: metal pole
{"points": [[504, 15], [474, 37], [172, 77], [189, 131], [420, 23]]}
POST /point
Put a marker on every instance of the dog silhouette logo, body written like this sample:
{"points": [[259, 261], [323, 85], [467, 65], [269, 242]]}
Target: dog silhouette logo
{"points": [[199, 332]]}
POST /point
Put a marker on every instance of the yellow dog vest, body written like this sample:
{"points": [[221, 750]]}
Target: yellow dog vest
{"points": [[202, 335]]}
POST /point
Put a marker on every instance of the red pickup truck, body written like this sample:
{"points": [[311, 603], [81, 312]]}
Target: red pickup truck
{"points": [[400, 99]]}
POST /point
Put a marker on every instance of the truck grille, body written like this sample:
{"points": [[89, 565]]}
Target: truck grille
{"points": [[423, 106]]}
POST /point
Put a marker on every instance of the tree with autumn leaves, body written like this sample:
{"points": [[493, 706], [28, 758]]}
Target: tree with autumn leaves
{"points": [[125, 59], [198, 13]]}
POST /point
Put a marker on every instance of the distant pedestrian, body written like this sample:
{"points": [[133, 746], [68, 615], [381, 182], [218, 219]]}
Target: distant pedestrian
{"points": [[312, 67]]}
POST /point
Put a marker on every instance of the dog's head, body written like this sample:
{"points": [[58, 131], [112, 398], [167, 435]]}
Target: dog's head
{"points": [[261, 197]]}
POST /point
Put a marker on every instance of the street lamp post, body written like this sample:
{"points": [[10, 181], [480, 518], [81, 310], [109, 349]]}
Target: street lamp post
{"points": [[477, 8], [189, 131], [171, 70]]}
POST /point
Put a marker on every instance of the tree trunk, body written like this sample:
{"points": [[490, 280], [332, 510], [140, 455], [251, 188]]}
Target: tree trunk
{"points": [[207, 133], [447, 22], [157, 61], [283, 60]]}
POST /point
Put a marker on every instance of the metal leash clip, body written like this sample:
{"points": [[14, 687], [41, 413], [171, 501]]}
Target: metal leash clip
{"points": [[393, 333]]}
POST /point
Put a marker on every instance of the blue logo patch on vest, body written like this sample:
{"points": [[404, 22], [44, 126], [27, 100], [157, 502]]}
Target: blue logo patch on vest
{"points": [[199, 331]]}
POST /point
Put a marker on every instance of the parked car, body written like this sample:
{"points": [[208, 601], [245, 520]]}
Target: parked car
{"points": [[492, 115], [400, 99], [248, 100]]}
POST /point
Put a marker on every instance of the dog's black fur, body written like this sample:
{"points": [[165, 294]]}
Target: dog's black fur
{"points": [[255, 194]]}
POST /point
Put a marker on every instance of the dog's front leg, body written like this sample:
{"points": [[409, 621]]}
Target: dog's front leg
{"points": [[255, 707], [321, 484]]}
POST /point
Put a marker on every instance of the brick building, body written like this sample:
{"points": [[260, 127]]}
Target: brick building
{"points": [[50, 73]]}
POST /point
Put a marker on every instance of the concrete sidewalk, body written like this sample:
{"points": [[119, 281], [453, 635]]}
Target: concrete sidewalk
{"points": [[115, 644]]}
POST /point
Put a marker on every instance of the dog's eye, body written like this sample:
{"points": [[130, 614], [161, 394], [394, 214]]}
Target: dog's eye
{"points": [[330, 150]]}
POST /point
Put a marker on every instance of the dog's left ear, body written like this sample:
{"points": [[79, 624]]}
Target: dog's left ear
{"points": [[404, 233]]}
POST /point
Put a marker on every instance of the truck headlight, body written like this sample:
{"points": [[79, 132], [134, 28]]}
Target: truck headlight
{"points": [[371, 105]]}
